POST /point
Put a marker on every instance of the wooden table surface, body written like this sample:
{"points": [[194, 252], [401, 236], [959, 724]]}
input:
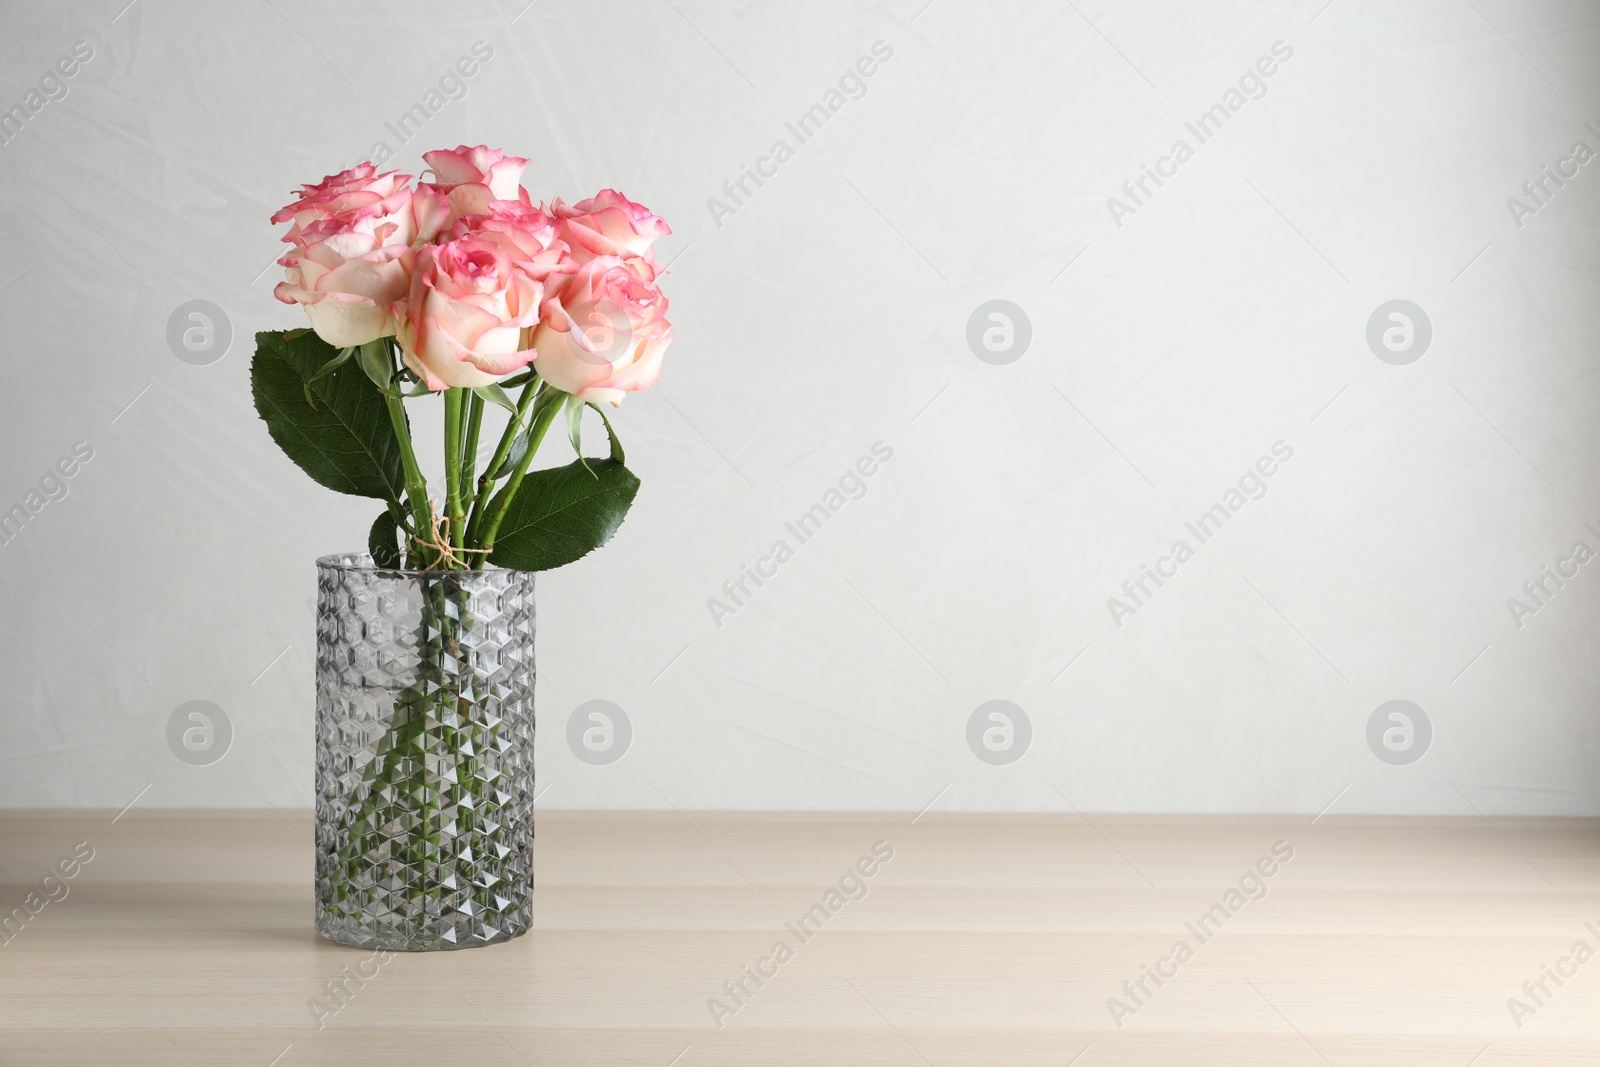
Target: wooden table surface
{"points": [[187, 939]]}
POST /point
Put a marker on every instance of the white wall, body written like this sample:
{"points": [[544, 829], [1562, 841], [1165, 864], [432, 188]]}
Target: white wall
{"points": [[1226, 313]]}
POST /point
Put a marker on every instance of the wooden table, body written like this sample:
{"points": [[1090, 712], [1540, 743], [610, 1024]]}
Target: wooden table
{"points": [[984, 940]]}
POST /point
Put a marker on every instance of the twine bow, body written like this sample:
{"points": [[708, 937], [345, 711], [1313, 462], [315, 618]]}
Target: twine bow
{"points": [[439, 542]]}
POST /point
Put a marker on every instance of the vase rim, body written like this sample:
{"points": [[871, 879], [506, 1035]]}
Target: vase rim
{"points": [[362, 562]]}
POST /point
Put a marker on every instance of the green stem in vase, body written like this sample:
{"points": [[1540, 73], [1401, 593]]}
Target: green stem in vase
{"points": [[427, 768]]}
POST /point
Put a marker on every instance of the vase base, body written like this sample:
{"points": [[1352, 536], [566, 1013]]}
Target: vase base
{"points": [[414, 937]]}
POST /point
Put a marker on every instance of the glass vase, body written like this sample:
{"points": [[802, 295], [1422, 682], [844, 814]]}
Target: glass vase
{"points": [[424, 755]]}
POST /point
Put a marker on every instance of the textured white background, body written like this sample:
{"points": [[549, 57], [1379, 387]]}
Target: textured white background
{"points": [[830, 312]]}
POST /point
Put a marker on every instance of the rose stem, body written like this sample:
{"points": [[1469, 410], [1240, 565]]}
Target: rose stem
{"points": [[469, 451], [416, 486], [541, 424], [507, 439], [452, 465]]}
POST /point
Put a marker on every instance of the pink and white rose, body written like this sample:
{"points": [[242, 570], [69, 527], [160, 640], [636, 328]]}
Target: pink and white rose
{"points": [[528, 234], [359, 187], [475, 280], [474, 177], [352, 235], [347, 285], [468, 312], [603, 334], [609, 224]]}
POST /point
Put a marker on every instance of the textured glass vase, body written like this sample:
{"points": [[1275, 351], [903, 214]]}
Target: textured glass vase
{"points": [[424, 755]]}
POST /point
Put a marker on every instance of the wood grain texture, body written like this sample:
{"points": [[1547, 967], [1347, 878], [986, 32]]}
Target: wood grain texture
{"points": [[984, 940]]}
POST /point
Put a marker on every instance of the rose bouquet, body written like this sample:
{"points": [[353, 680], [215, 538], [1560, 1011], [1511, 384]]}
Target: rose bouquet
{"points": [[460, 288], [478, 291]]}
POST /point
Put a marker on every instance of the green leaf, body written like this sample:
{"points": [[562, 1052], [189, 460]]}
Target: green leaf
{"points": [[519, 448], [562, 514], [496, 394], [383, 541], [519, 444], [575, 429], [345, 441], [377, 362], [334, 364], [616, 443]]}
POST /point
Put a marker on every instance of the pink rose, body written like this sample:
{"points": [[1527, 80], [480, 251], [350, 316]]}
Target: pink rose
{"points": [[337, 194], [527, 233], [464, 322], [604, 333], [347, 283], [609, 224], [474, 177], [352, 237]]}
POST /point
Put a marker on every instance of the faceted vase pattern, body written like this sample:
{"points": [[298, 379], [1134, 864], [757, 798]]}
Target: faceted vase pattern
{"points": [[424, 755]]}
